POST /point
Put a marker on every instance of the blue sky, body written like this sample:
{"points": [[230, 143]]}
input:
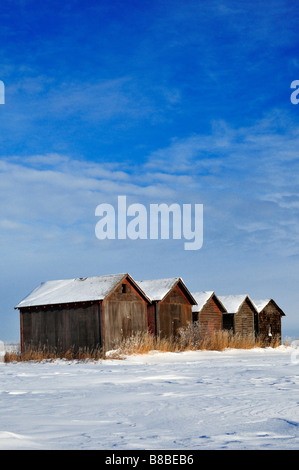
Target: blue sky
{"points": [[163, 101]]}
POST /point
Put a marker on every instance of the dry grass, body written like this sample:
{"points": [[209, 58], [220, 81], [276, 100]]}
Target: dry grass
{"points": [[44, 354], [189, 338], [143, 343]]}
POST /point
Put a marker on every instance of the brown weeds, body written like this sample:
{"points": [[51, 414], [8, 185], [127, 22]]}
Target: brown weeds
{"points": [[45, 354], [190, 339], [187, 339]]}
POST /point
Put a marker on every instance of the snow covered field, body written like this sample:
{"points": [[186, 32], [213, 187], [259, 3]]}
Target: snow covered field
{"points": [[235, 399]]}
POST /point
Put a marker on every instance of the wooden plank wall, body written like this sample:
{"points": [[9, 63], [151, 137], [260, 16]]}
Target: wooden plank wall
{"points": [[210, 317], [61, 328], [124, 313], [269, 320], [244, 320], [174, 312]]}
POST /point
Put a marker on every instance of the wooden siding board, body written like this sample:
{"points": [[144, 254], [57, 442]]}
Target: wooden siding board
{"points": [[210, 317], [244, 320], [174, 312], [269, 320], [123, 320], [61, 328], [125, 313]]}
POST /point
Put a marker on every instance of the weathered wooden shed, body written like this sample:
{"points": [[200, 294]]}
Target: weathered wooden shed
{"points": [[92, 312], [208, 312], [240, 316], [171, 305], [269, 319]]}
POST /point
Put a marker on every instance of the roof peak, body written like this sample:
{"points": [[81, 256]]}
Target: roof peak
{"points": [[73, 290]]}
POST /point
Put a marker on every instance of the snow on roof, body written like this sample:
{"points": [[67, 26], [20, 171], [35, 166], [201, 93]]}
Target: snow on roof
{"points": [[71, 290], [232, 303], [201, 299], [157, 289], [260, 304]]}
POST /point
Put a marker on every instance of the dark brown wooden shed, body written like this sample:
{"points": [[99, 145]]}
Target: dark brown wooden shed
{"points": [[208, 312], [240, 315], [269, 319], [171, 306], [92, 312]]}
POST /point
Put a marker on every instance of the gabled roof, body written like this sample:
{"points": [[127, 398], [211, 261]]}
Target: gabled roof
{"points": [[232, 303], [75, 290], [262, 303], [158, 289], [202, 298]]}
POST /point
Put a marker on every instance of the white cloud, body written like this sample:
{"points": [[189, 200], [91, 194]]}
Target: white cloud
{"points": [[244, 177]]}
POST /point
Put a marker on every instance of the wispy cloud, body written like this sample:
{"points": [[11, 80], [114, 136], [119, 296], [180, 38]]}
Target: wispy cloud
{"points": [[244, 177]]}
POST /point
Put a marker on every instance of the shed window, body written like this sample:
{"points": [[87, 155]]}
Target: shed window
{"points": [[124, 288]]}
